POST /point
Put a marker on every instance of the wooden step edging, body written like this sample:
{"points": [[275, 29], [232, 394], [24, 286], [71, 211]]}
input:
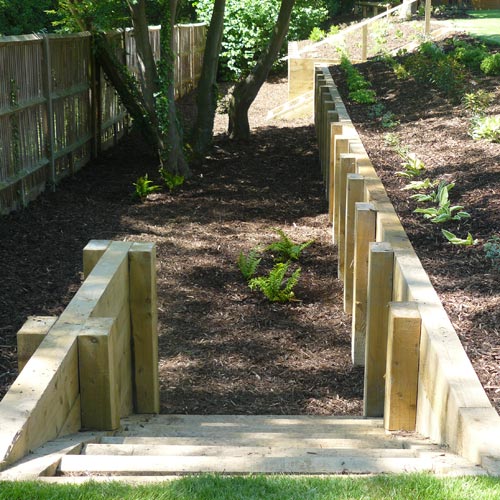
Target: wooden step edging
{"points": [[452, 407], [79, 370]]}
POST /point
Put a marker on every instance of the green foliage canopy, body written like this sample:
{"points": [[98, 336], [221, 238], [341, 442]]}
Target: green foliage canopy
{"points": [[18, 17], [248, 26]]}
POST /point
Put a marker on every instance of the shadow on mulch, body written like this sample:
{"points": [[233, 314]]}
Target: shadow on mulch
{"points": [[223, 348]]}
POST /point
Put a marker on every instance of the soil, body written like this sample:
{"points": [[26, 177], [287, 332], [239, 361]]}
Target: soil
{"points": [[436, 130], [223, 348]]}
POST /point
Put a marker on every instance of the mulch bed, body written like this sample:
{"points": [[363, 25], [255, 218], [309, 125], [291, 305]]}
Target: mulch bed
{"points": [[437, 132], [223, 348]]}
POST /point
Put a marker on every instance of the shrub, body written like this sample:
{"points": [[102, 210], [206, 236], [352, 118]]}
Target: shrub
{"points": [[491, 65], [469, 55], [317, 34]]}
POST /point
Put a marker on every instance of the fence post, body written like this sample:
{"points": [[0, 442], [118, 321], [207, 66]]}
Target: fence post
{"points": [[364, 43], [379, 295], [354, 193], [428, 6], [347, 165], [365, 230], [47, 77], [92, 252], [401, 382]]}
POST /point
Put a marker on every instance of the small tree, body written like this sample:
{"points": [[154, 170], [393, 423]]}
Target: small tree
{"points": [[246, 90]]}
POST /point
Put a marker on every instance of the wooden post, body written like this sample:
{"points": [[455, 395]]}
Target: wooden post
{"points": [[92, 252], [354, 194], [99, 393], [364, 43], [365, 230], [428, 7], [341, 146], [320, 82], [347, 165], [401, 381], [332, 125], [379, 295], [30, 336], [144, 322], [47, 84], [328, 106], [335, 130]]}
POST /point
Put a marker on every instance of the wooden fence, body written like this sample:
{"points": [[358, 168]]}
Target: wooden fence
{"points": [[416, 372], [57, 111]]}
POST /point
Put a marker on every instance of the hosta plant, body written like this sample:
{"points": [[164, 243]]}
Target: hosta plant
{"points": [[276, 287], [455, 240], [172, 181], [143, 187], [443, 213]]}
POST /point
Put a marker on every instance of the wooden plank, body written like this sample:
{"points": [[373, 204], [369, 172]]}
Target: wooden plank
{"points": [[335, 130], [242, 451], [302, 423], [151, 465], [92, 252], [30, 336], [253, 439], [347, 165], [354, 194], [401, 382], [144, 324], [99, 395], [327, 106], [379, 292], [365, 221]]}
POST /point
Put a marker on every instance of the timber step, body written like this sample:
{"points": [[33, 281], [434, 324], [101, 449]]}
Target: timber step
{"points": [[149, 448], [171, 445], [299, 106]]}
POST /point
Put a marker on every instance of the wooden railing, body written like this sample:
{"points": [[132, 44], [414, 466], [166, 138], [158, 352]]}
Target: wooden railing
{"points": [[57, 110], [417, 374], [94, 364]]}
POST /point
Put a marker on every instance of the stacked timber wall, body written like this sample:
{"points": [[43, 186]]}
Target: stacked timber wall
{"points": [[417, 374], [57, 110], [94, 364]]}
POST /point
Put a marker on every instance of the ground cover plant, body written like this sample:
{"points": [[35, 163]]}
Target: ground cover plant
{"points": [[456, 240], [210, 487]]}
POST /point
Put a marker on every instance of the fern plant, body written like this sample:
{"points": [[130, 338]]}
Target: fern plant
{"points": [[285, 249], [248, 264], [275, 286]]}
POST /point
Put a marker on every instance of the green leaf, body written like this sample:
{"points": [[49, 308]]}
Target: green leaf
{"points": [[455, 240]]}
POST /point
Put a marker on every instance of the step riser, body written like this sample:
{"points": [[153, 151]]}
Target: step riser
{"points": [[124, 465]]}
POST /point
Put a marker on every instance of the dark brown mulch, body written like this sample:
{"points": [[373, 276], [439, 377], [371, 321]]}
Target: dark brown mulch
{"points": [[436, 130], [223, 348]]}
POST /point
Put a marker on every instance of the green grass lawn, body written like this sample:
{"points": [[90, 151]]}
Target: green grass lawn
{"points": [[484, 24], [212, 487]]}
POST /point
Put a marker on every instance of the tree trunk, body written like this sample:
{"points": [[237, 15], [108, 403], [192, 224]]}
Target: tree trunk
{"points": [[206, 99], [245, 91], [147, 65], [172, 154], [126, 87]]}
